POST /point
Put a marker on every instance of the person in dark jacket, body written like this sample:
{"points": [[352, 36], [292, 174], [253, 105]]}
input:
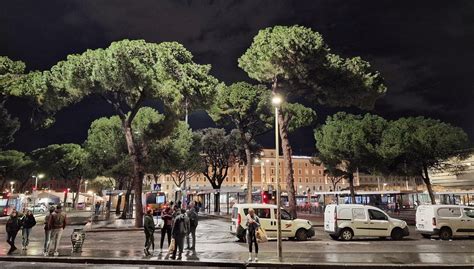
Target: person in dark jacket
{"points": [[167, 216], [193, 223], [149, 228], [28, 222], [180, 229], [12, 227]]}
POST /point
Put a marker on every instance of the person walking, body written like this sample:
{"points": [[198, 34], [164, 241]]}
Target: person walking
{"points": [[97, 208], [28, 222], [149, 229], [47, 231], [253, 223], [179, 231], [193, 223], [57, 222], [12, 227], [167, 216]]}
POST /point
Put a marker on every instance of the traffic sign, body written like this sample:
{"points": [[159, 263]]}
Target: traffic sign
{"points": [[157, 187]]}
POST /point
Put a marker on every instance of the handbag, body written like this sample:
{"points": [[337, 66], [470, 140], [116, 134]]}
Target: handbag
{"points": [[172, 245], [261, 235]]}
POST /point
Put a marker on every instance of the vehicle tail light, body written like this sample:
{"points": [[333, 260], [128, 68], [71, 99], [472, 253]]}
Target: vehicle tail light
{"points": [[434, 221], [238, 219]]}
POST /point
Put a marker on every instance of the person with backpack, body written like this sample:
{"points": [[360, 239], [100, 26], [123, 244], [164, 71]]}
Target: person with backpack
{"points": [[167, 216], [179, 231], [193, 223], [12, 227], [28, 222], [252, 224], [57, 222], [47, 231]]}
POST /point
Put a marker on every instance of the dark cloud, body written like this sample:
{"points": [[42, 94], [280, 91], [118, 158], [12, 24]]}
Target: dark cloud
{"points": [[422, 48]]}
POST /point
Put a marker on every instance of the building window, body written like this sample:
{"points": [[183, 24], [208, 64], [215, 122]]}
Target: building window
{"points": [[305, 164], [299, 179], [272, 179], [299, 171], [306, 180], [272, 171], [320, 172], [233, 179], [271, 163]]}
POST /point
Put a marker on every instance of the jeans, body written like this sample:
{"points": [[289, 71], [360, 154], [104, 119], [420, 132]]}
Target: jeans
{"points": [[11, 238], [55, 239], [179, 240], [25, 233], [252, 238], [149, 240], [47, 240], [166, 230], [192, 232]]}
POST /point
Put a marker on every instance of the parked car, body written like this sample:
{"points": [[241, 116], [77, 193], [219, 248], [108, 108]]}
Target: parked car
{"points": [[300, 229], [81, 206], [352, 220], [39, 208], [445, 221]]}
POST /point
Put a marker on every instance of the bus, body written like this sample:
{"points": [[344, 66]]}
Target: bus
{"points": [[155, 200], [8, 202]]}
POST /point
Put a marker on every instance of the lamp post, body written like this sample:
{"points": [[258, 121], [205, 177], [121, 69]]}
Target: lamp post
{"points": [[39, 176], [85, 186], [276, 100], [11, 186]]}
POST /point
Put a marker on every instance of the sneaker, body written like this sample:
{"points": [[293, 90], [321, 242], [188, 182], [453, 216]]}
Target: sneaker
{"points": [[56, 253], [46, 254], [256, 259], [147, 253]]}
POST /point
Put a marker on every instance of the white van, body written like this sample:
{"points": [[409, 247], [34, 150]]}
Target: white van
{"points": [[445, 221], [300, 229], [349, 220]]}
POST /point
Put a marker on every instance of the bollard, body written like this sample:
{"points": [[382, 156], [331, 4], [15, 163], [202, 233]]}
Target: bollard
{"points": [[77, 239]]}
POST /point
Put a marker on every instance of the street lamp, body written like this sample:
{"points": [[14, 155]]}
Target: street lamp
{"points": [[40, 176], [276, 101], [11, 186], [85, 186]]}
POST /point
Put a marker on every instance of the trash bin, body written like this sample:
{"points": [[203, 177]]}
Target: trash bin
{"points": [[77, 239]]}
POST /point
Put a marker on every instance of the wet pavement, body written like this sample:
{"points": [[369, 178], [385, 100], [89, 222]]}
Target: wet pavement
{"points": [[216, 244]]}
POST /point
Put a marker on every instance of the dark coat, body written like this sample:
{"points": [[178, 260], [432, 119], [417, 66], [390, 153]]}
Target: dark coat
{"points": [[13, 224], [28, 221], [149, 224]]}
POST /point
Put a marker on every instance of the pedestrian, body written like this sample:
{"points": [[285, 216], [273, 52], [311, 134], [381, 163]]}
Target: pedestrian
{"points": [[252, 224], [193, 223], [97, 207], [12, 227], [47, 231], [57, 222], [397, 208], [28, 222], [180, 229], [149, 228], [179, 204], [167, 216]]}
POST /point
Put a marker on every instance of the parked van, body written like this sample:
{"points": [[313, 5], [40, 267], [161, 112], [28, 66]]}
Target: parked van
{"points": [[300, 229], [349, 220], [445, 221]]}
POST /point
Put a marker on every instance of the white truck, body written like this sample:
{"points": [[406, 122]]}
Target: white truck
{"points": [[445, 221], [351, 220]]}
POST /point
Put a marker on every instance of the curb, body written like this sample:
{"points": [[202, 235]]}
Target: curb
{"points": [[218, 263]]}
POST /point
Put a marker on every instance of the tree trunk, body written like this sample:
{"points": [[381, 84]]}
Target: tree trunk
{"points": [[248, 156], [119, 199], [288, 164], [78, 191], [426, 179], [351, 188], [137, 173]]}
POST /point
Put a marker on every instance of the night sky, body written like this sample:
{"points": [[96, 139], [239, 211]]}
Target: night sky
{"points": [[424, 49]]}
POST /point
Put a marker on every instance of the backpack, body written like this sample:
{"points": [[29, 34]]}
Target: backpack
{"points": [[193, 222]]}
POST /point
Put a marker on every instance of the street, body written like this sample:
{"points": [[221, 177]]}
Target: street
{"points": [[215, 243]]}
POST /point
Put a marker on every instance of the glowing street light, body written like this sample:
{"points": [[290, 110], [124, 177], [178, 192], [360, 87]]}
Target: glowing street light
{"points": [[276, 101]]}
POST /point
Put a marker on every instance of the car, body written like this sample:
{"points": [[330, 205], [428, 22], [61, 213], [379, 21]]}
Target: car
{"points": [[299, 229], [352, 220], [39, 208], [81, 206], [445, 221]]}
